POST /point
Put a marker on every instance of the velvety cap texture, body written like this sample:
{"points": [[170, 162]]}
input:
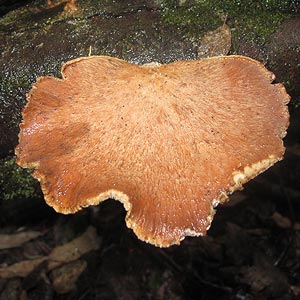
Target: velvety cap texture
{"points": [[168, 141]]}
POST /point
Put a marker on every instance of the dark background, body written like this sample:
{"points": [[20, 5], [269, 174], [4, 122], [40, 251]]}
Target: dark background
{"points": [[252, 250]]}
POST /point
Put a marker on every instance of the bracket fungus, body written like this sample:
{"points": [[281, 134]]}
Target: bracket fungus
{"points": [[169, 141]]}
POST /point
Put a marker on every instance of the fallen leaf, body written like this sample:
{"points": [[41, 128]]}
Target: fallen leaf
{"points": [[215, 43], [65, 277], [59, 256], [71, 5], [281, 221], [75, 249], [8, 241], [21, 269]]}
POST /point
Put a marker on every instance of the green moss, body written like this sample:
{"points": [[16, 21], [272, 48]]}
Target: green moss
{"points": [[15, 182], [191, 18], [261, 18]]}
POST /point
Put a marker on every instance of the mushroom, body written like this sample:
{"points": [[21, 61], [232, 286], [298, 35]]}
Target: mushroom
{"points": [[168, 141]]}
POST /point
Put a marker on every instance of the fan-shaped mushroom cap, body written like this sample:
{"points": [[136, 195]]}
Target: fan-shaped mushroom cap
{"points": [[168, 141]]}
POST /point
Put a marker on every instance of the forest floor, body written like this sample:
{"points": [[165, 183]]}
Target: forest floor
{"points": [[251, 251]]}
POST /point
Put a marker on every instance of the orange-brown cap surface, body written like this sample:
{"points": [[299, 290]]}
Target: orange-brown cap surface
{"points": [[168, 141]]}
